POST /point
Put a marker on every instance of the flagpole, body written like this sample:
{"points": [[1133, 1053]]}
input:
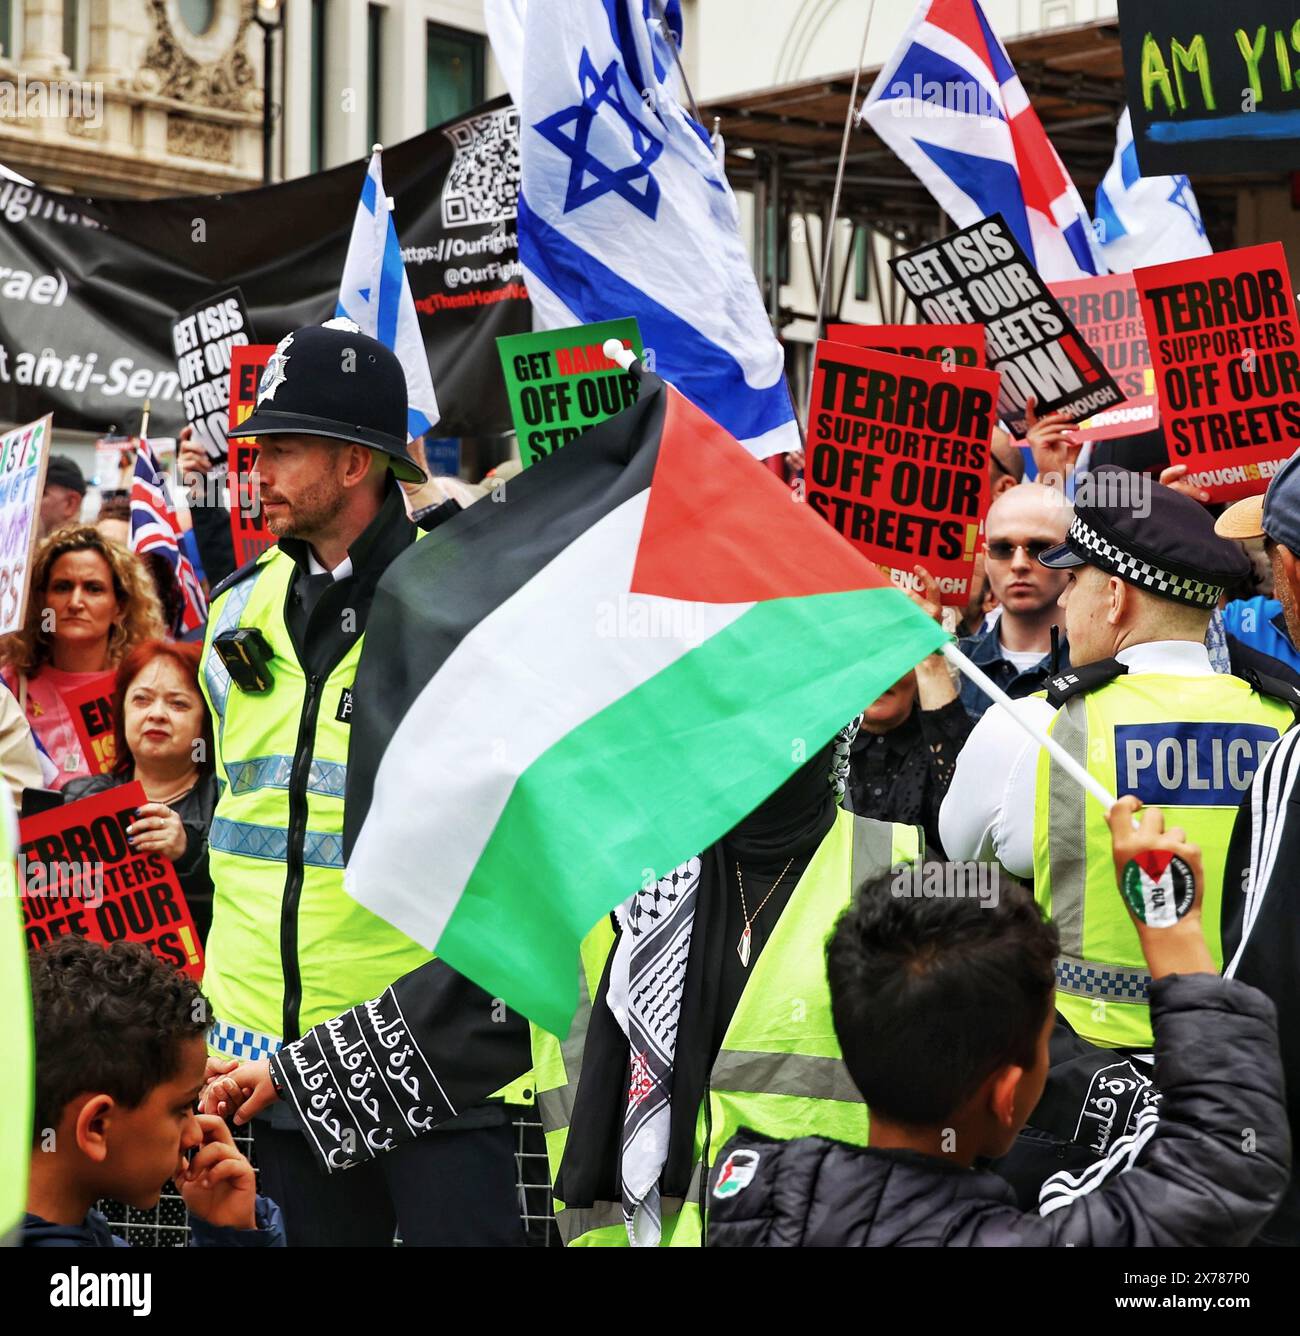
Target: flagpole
{"points": [[827, 240], [1058, 753]]}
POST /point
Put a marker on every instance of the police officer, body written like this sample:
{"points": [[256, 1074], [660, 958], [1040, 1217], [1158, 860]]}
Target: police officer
{"points": [[289, 947], [1144, 711]]}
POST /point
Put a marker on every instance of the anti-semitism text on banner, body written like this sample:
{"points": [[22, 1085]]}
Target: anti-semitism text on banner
{"points": [[560, 382], [1106, 311], [78, 876], [949, 345], [24, 453], [898, 460], [248, 529], [91, 708], [1227, 359], [203, 338], [1212, 87], [982, 274]]}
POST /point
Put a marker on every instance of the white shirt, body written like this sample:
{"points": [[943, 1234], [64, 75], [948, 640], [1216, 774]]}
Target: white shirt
{"points": [[984, 819], [316, 567]]}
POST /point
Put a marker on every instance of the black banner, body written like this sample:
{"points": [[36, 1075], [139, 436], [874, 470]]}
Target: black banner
{"points": [[89, 288], [1213, 87]]}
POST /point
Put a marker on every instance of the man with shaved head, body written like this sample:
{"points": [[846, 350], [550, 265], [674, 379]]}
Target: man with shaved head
{"points": [[1022, 522]]}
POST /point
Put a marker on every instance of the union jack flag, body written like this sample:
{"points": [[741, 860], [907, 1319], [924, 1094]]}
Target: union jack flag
{"points": [[950, 104], [155, 528]]}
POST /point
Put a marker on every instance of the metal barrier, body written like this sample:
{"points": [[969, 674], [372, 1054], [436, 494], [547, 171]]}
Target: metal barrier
{"points": [[168, 1224]]}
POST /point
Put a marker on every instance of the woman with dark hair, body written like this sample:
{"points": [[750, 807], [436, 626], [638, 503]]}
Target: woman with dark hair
{"points": [[164, 739], [91, 604]]}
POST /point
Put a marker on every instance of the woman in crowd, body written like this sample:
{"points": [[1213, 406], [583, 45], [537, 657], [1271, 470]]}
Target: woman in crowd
{"points": [[164, 739], [91, 603]]}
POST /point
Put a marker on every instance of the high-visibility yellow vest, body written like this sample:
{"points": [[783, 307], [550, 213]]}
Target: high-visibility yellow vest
{"points": [[16, 1047], [779, 1070], [1188, 745], [289, 947]]}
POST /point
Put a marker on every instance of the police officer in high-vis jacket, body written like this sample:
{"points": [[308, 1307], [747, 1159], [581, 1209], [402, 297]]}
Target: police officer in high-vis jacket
{"points": [[1144, 711], [288, 946]]}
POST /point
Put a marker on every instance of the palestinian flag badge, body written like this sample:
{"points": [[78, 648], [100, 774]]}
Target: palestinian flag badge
{"points": [[1159, 887]]}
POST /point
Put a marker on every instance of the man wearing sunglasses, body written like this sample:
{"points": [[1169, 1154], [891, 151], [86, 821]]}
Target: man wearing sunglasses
{"points": [[1022, 523]]}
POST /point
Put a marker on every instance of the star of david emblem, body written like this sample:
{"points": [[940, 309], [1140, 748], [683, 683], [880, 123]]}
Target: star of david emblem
{"points": [[273, 377], [1183, 197], [589, 178]]}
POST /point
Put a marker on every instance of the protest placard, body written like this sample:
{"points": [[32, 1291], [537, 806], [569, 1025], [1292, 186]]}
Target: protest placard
{"points": [[248, 529], [78, 876], [981, 274], [898, 460], [1106, 311], [203, 339], [1212, 87], [24, 453], [91, 708], [560, 382], [949, 345], [1226, 352]]}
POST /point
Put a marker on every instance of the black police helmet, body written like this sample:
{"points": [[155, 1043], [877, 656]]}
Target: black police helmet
{"points": [[332, 380]]}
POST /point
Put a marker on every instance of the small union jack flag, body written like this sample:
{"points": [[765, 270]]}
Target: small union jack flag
{"points": [[155, 528]]}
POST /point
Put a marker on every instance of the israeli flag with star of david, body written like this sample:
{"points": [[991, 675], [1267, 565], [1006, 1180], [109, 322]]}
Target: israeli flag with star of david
{"points": [[625, 211], [1144, 220], [376, 294], [950, 104]]}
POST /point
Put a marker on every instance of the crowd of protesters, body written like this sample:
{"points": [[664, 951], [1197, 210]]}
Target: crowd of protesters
{"points": [[966, 1054]]}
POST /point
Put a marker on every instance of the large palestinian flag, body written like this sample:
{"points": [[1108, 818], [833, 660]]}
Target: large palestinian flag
{"points": [[570, 690]]}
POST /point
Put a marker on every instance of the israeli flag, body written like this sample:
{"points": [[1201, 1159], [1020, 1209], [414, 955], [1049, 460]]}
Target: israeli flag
{"points": [[376, 294], [1145, 219], [625, 211]]}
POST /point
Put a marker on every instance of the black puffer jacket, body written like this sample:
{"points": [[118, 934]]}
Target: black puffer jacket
{"points": [[1210, 1172]]}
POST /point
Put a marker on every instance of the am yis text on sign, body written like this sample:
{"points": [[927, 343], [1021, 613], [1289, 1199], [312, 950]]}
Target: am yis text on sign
{"points": [[898, 460], [981, 274], [79, 876], [1226, 351]]}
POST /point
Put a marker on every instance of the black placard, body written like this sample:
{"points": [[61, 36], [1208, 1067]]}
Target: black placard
{"points": [[981, 275], [1213, 87]]}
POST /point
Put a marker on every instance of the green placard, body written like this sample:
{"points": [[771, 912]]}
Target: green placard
{"points": [[560, 382]]}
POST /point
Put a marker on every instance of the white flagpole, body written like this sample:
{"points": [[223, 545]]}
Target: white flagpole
{"points": [[1058, 753]]}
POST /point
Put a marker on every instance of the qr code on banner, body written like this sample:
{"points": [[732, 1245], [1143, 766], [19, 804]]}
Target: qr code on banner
{"points": [[483, 183]]}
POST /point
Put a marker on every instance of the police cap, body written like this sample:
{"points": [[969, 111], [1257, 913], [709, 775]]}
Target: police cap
{"points": [[1167, 547], [332, 380]]}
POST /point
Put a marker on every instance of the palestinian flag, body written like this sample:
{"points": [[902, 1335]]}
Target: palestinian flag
{"points": [[575, 686]]}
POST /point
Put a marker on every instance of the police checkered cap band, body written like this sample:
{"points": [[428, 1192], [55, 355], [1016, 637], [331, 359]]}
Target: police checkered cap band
{"points": [[1102, 552]]}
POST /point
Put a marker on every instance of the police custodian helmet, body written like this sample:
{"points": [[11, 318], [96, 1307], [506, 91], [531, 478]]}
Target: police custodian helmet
{"points": [[332, 380]]}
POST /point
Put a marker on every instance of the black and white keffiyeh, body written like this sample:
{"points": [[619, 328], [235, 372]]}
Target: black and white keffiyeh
{"points": [[646, 984]]}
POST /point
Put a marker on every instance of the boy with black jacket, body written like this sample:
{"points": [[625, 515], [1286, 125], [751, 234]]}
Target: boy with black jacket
{"points": [[973, 988]]}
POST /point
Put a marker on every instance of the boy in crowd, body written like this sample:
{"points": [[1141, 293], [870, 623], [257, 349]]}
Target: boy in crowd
{"points": [[120, 1057], [973, 988]]}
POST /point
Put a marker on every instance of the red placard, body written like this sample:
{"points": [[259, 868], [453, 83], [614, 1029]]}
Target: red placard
{"points": [[949, 345], [247, 523], [1226, 351], [78, 876], [898, 460], [91, 707], [1106, 311]]}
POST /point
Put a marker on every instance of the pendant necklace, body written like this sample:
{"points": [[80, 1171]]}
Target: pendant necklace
{"points": [[742, 946]]}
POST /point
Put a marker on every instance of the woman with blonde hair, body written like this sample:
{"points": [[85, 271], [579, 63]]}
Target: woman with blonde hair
{"points": [[91, 603]]}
